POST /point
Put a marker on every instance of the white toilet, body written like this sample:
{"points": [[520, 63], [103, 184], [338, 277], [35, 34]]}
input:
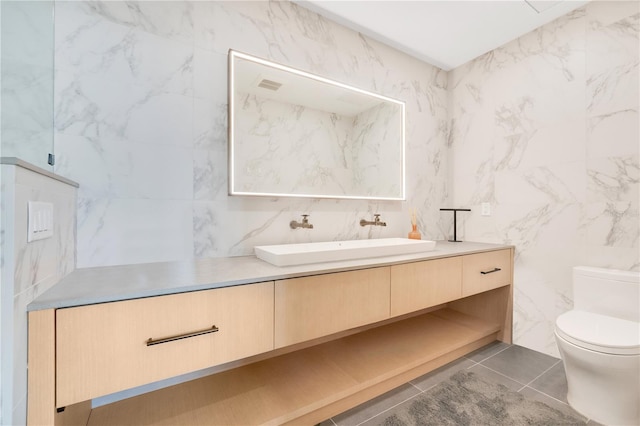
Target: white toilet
{"points": [[599, 341]]}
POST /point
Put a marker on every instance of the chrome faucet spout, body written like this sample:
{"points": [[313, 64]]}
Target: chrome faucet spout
{"points": [[304, 224], [376, 221]]}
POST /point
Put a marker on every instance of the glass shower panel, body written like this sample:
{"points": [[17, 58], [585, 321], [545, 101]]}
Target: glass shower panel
{"points": [[26, 118]]}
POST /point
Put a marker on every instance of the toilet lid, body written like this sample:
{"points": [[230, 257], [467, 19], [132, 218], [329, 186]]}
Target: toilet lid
{"points": [[600, 333]]}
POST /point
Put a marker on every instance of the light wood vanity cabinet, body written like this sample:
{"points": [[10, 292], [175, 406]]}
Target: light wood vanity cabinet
{"points": [[316, 306], [420, 285], [104, 348], [291, 351], [485, 271]]}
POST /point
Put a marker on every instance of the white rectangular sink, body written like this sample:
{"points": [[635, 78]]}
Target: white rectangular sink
{"points": [[299, 254]]}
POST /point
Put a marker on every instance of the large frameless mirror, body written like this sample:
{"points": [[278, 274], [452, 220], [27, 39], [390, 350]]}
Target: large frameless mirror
{"points": [[295, 134]]}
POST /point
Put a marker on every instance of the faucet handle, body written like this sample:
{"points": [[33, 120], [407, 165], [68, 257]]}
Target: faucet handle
{"points": [[377, 215], [304, 224]]}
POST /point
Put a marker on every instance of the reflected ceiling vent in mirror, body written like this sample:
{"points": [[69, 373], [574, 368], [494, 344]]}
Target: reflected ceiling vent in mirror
{"points": [[269, 84]]}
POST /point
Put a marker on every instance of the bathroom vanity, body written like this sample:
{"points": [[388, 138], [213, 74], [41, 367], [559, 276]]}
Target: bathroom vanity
{"points": [[294, 344]]}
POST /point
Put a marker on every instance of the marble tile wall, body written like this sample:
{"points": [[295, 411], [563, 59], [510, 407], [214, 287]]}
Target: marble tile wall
{"points": [[545, 129], [28, 269], [140, 123]]}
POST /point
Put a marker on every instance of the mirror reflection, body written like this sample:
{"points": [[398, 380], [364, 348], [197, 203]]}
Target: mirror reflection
{"points": [[295, 134]]}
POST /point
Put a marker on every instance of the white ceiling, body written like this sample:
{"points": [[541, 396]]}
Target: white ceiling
{"points": [[445, 33]]}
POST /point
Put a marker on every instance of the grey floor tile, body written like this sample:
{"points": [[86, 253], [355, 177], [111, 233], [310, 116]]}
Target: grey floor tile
{"points": [[520, 364], [495, 378], [510, 365], [438, 375], [326, 423], [375, 406], [492, 376], [551, 402], [485, 352], [380, 419], [553, 382]]}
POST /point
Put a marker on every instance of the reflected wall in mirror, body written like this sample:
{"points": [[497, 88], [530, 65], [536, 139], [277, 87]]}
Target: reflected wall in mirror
{"points": [[294, 134]]}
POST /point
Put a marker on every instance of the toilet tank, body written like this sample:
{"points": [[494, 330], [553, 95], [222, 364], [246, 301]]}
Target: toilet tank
{"points": [[607, 291]]}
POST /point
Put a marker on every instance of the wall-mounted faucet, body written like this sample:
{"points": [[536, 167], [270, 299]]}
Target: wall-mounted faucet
{"points": [[376, 221], [304, 224]]}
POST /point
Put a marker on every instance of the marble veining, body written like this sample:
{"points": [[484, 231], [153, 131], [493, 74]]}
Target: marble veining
{"points": [[614, 178], [145, 134], [545, 128], [29, 269]]}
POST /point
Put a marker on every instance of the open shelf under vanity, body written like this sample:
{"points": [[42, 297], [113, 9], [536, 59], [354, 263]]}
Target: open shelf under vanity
{"points": [[309, 385]]}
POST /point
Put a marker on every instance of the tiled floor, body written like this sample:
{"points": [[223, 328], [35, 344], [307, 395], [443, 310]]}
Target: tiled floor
{"points": [[535, 375]]}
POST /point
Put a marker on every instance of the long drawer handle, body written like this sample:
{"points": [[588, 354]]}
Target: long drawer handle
{"points": [[491, 271], [152, 342]]}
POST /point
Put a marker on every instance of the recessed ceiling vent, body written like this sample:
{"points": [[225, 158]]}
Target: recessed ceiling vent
{"points": [[269, 84]]}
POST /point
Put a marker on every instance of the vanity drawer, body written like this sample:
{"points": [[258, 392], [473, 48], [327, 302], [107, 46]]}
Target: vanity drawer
{"points": [[105, 348], [485, 271], [420, 285], [311, 307]]}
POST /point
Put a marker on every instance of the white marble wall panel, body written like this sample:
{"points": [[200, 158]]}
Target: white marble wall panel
{"points": [[29, 269], [545, 128], [612, 62], [151, 77], [615, 134], [148, 230], [116, 169]]}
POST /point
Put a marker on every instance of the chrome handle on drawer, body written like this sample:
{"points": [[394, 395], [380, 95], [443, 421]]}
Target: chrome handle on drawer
{"points": [[491, 271], [152, 342]]}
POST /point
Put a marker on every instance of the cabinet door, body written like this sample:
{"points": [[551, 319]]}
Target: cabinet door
{"points": [[105, 348], [420, 285], [311, 307], [485, 271]]}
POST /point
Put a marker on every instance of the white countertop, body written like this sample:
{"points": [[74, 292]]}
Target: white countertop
{"points": [[113, 283]]}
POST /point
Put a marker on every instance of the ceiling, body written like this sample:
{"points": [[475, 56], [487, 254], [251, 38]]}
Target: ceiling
{"points": [[443, 33]]}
